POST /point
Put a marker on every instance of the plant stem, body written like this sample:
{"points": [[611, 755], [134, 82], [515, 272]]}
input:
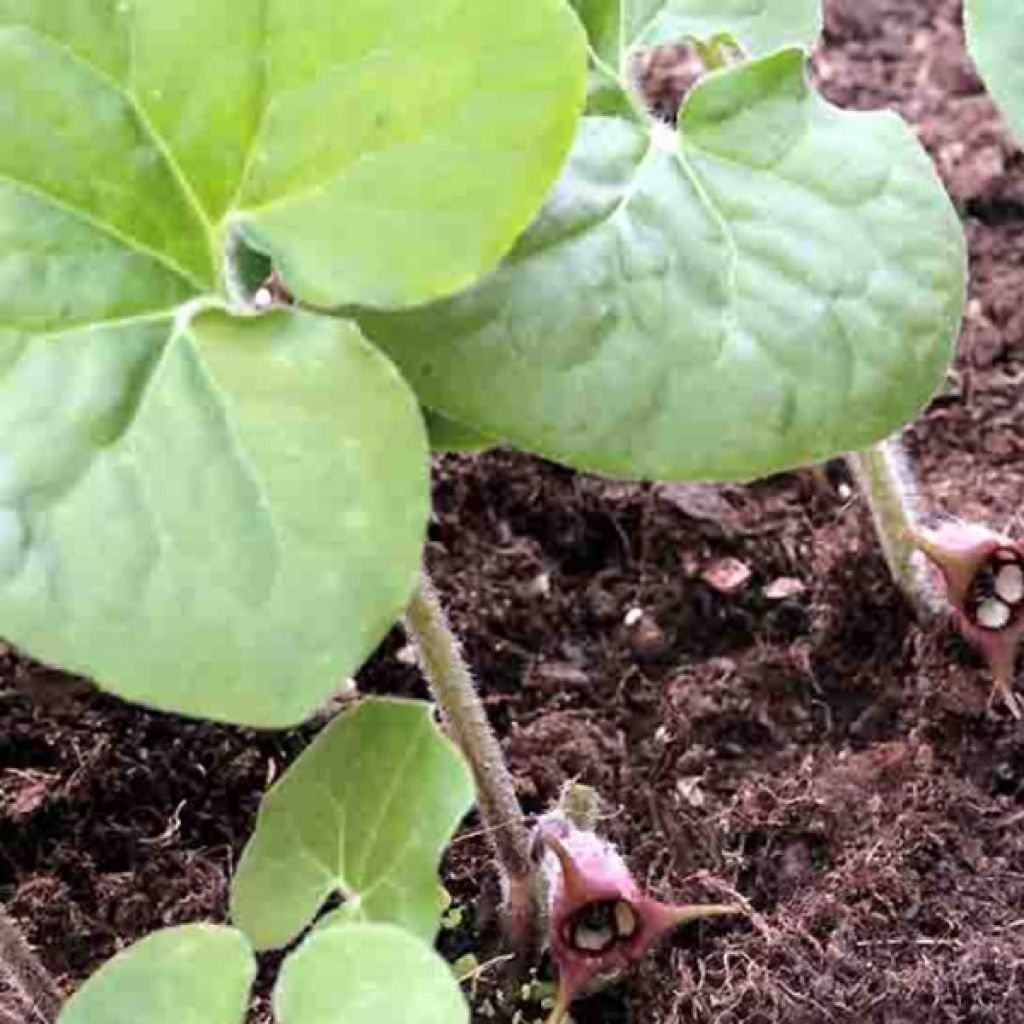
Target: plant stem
{"points": [[884, 474], [25, 974], [450, 680]]}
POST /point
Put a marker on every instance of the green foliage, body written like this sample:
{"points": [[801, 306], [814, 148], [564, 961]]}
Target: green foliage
{"points": [[448, 436], [179, 517], [617, 27], [995, 38], [211, 513], [367, 974], [365, 811], [302, 131], [776, 283], [197, 974]]}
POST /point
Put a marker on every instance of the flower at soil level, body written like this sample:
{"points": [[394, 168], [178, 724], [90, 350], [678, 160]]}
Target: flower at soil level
{"points": [[983, 572], [599, 920]]}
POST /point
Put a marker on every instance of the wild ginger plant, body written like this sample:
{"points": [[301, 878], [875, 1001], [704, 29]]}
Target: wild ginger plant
{"points": [[600, 920], [253, 255], [976, 573]]}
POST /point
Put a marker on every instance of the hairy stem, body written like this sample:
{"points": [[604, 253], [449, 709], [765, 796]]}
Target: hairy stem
{"points": [[884, 474], [26, 976], [452, 684]]}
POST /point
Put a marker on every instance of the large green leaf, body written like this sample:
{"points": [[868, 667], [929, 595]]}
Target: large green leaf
{"points": [[616, 27], [197, 974], [995, 38], [195, 511], [779, 282], [365, 811], [367, 974], [361, 142]]}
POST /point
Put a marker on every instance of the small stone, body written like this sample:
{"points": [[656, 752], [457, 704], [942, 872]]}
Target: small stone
{"points": [[727, 575], [633, 616], [647, 639], [993, 614], [1010, 584], [784, 587], [689, 789], [539, 586]]}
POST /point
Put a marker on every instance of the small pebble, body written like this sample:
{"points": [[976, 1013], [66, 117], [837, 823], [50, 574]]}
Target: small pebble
{"points": [[727, 575], [784, 587]]}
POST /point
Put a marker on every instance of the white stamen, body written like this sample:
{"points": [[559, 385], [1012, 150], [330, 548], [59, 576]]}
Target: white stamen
{"points": [[993, 614], [1010, 584], [625, 920], [593, 940]]}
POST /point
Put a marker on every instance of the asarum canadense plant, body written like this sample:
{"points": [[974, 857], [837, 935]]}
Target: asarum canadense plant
{"points": [[983, 576], [258, 257], [600, 921], [980, 571]]}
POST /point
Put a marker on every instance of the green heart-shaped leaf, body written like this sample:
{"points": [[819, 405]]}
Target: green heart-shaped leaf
{"points": [[365, 812], [361, 143], [778, 283], [197, 974], [617, 26], [448, 436], [367, 974], [995, 38], [215, 516]]}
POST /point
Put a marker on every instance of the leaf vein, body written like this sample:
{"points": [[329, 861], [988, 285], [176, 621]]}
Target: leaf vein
{"points": [[108, 229], [159, 143]]}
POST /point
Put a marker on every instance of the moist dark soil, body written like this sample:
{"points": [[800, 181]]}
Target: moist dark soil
{"points": [[797, 739]]}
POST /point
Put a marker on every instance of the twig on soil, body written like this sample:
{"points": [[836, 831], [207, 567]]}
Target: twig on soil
{"points": [[443, 664], [23, 971]]}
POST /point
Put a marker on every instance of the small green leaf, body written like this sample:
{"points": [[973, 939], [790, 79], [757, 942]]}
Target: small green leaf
{"points": [[195, 512], [448, 436], [778, 283], [360, 143], [197, 974], [995, 39], [367, 974], [365, 811], [616, 27]]}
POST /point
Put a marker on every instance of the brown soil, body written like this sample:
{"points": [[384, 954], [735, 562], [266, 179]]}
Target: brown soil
{"points": [[814, 752]]}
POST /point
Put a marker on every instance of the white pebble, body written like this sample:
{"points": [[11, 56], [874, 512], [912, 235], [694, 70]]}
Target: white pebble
{"points": [[1010, 584], [993, 614], [633, 616]]}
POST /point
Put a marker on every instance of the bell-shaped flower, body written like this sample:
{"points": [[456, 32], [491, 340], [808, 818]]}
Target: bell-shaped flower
{"points": [[600, 921], [983, 573]]}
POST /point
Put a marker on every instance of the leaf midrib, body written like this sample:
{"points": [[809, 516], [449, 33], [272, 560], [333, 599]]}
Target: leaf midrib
{"points": [[133, 244], [161, 146]]}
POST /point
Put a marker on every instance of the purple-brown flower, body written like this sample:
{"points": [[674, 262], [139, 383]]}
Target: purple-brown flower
{"points": [[599, 920], [983, 572]]}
